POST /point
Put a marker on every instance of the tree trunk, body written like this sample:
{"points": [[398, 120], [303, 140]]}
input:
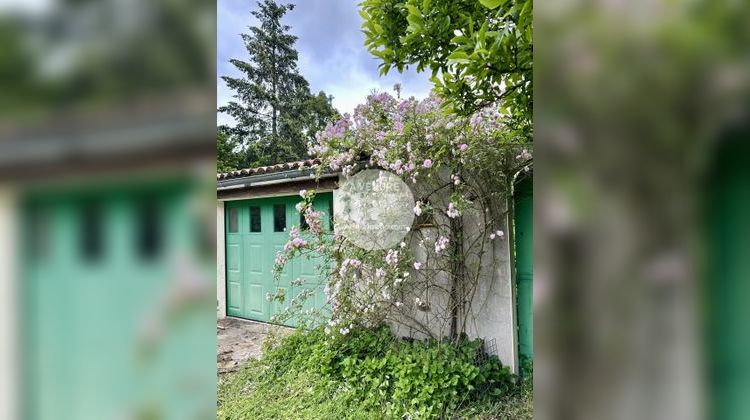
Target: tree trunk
{"points": [[457, 277]]}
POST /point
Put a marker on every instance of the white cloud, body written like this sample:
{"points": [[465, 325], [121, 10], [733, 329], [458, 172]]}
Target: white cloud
{"points": [[332, 55]]}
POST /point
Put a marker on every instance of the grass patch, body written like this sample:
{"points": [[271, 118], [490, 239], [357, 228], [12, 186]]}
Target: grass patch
{"points": [[370, 375]]}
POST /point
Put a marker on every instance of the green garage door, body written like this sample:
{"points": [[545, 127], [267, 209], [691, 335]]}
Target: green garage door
{"points": [[100, 265], [524, 242], [256, 230], [728, 282]]}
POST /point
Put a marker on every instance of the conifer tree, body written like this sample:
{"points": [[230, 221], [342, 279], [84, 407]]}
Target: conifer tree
{"points": [[275, 114]]}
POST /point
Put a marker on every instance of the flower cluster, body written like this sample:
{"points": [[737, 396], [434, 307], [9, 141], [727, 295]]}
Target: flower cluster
{"points": [[295, 241], [365, 285], [452, 211], [347, 263], [387, 129], [314, 220], [497, 234], [391, 258], [524, 155], [441, 243], [418, 208]]}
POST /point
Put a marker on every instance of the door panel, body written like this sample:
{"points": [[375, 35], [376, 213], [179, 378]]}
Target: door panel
{"points": [[251, 253], [256, 299], [234, 263]]}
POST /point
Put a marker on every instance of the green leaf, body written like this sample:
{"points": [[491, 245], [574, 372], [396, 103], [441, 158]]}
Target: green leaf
{"points": [[483, 34], [457, 55], [491, 4], [415, 16], [415, 21], [460, 39]]}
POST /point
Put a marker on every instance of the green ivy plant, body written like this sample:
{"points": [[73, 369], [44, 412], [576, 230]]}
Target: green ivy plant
{"points": [[373, 372]]}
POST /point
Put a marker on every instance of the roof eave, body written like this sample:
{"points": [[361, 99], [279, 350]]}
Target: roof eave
{"points": [[272, 178]]}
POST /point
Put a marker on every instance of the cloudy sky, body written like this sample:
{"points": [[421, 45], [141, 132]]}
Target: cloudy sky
{"points": [[332, 55]]}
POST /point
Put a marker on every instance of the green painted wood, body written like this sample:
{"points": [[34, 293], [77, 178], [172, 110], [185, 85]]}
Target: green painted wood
{"points": [[250, 258], [83, 320], [728, 281], [524, 236]]}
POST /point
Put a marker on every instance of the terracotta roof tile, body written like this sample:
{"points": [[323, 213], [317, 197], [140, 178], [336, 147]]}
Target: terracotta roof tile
{"points": [[300, 165]]}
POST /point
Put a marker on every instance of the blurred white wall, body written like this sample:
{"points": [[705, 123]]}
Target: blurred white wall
{"points": [[221, 264], [8, 297]]}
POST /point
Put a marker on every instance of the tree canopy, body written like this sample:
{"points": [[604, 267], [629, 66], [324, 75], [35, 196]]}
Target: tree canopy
{"points": [[167, 52], [480, 52], [227, 159]]}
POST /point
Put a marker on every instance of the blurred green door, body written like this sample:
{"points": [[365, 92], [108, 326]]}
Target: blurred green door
{"points": [[99, 275], [728, 281], [524, 241], [256, 230]]}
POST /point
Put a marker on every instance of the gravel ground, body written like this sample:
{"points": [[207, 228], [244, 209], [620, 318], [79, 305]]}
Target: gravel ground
{"points": [[240, 340]]}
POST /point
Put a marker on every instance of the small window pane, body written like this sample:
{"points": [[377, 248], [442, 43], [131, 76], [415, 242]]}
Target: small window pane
{"points": [[279, 217], [234, 220], [255, 219], [92, 232], [150, 225]]}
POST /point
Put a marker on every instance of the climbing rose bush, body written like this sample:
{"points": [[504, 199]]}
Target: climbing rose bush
{"points": [[412, 137], [470, 160]]}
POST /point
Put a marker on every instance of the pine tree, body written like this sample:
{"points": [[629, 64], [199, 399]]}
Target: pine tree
{"points": [[272, 101]]}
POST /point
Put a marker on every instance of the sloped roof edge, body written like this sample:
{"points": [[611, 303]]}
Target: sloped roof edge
{"points": [[281, 167]]}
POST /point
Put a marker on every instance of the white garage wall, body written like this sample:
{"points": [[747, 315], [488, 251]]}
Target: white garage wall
{"points": [[492, 313], [221, 262], [8, 309]]}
